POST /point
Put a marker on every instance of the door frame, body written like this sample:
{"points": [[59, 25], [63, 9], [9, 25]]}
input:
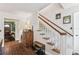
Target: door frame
{"points": [[75, 34], [14, 20]]}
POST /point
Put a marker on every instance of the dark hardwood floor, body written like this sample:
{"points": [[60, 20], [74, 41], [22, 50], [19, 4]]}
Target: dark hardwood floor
{"points": [[15, 48]]}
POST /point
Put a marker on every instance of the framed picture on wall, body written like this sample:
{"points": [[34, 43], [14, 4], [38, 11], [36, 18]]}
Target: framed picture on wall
{"points": [[58, 16], [67, 19]]}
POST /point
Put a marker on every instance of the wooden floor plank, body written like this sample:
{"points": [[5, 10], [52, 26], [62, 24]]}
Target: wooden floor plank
{"points": [[14, 48]]}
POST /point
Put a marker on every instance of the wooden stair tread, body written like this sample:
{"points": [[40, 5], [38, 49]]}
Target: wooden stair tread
{"points": [[50, 43], [38, 44], [46, 38], [42, 33], [56, 50], [39, 30]]}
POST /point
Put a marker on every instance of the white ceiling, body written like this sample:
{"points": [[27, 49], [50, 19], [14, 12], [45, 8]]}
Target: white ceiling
{"points": [[69, 5], [26, 7], [30, 7]]}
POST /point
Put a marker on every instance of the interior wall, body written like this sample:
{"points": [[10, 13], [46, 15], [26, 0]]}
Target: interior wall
{"points": [[22, 18], [51, 11]]}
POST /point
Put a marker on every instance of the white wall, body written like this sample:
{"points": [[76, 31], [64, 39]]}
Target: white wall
{"points": [[22, 18], [54, 9], [51, 11]]}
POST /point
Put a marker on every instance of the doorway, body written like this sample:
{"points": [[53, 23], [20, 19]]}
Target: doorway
{"points": [[9, 30]]}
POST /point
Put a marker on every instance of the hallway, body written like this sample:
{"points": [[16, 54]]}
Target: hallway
{"points": [[49, 28]]}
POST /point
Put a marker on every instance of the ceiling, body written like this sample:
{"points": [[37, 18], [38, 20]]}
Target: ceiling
{"points": [[30, 7], [26, 7], [69, 5]]}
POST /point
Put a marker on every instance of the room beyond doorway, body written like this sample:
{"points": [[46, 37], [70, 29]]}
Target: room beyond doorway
{"points": [[9, 30]]}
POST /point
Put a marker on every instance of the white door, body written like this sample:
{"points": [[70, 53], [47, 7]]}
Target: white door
{"points": [[76, 32]]}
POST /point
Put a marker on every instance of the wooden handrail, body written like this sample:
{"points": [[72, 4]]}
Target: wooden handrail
{"points": [[55, 24], [52, 26]]}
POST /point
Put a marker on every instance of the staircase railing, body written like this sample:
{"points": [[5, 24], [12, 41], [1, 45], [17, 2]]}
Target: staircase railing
{"points": [[54, 24], [61, 33], [57, 39]]}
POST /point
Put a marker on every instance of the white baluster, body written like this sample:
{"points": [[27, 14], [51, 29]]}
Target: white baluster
{"points": [[63, 44]]}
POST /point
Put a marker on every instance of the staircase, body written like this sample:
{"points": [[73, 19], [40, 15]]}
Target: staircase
{"points": [[54, 37]]}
